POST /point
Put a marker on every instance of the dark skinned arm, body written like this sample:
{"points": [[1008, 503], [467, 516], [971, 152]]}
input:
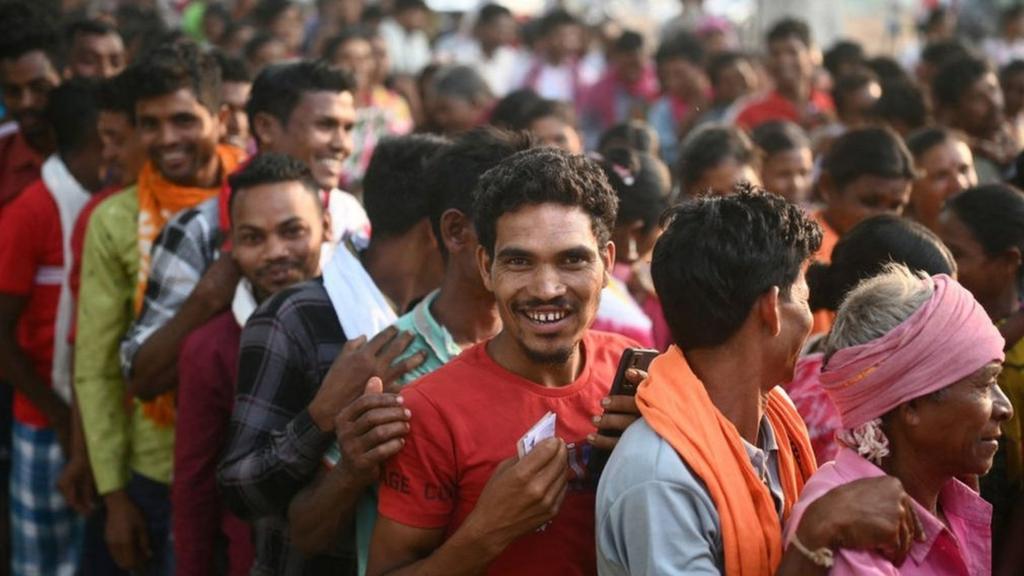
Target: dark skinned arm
{"points": [[22, 374], [155, 367]]}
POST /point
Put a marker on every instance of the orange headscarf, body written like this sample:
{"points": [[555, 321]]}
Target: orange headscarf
{"points": [[674, 402], [159, 201]]}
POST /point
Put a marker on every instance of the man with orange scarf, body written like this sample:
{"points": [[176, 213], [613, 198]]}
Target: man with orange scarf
{"points": [[176, 90], [704, 481]]}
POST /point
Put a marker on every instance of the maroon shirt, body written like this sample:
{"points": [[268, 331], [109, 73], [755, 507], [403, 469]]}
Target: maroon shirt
{"points": [[207, 372]]}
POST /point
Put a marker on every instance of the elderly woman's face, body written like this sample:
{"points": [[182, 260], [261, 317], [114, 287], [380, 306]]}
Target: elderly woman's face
{"points": [[957, 430]]}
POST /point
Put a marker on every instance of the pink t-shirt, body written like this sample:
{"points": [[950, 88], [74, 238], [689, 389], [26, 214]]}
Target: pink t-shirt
{"points": [[965, 548], [815, 407]]}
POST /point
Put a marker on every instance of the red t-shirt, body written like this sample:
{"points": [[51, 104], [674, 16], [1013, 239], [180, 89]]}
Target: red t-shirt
{"points": [[20, 166], [466, 418], [32, 261], [776, 107]]}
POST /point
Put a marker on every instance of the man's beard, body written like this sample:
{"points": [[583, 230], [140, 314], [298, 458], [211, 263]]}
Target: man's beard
{"points": [[550, 358]]}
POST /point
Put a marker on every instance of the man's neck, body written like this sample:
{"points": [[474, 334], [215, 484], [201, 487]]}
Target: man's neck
{"points": [[509, 355], [923, 485], [396, 269], [1002, 306], [466, 309], [735, 388], [798, 93], [209, 176]]}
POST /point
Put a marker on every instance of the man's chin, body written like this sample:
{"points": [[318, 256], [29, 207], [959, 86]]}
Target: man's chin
{"points": [[549, 356]]}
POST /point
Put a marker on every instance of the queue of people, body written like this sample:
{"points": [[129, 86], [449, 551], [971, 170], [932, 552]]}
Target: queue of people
{"points": [[293, 289]]}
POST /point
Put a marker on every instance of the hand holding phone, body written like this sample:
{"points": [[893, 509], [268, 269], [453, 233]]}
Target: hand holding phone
{"points": [[632, 368]]}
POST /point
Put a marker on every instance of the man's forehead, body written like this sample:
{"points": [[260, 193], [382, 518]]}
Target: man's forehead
{"points": [[181, 100], [547, 227], [274, 201], [28, 67]]}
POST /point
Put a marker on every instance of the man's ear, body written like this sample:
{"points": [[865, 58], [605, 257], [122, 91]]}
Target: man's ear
{"points": [[484, 263], [223, 115], [608, 255], [456, 231], [328, 227], [768, 310], [265, 128]]}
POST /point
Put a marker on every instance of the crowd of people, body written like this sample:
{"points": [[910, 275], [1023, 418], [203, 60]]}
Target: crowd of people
{"points": [[286, 286]]}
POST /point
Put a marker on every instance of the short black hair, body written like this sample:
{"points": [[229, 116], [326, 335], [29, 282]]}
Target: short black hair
{"points": [[258, 41], [463, 83], [847, 84], [955, 78], [709, 146], [394, 191], [790, 28], [863, 251], [639, 181], [680, 46], [270, 169], [778, 136], [278, 88], [72, 111], [888, 70], [26, 27], [266, 11], [938, 54], [719, 62], [718, 255], [509, 111], [406, 5], [347, 35], [841, 53], [491, 12], [113, 96], [232, 69], [994, 213], [902, 101], [87, 27], [541, 176], [173, 66], [545, 108], [635, 135], [553, 20], [925, 139], [870, 151], [628, 41], [1009, 69], [452, 176]]}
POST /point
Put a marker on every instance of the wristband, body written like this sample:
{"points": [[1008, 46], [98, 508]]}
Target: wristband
{"points": [[821, 557]]}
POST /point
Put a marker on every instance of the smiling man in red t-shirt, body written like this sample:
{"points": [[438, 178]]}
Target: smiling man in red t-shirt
{"points": [[456, 499]]}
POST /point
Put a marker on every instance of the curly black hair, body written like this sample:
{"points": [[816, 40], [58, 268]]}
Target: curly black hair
{"points": [[541, 176], [175, 65]]}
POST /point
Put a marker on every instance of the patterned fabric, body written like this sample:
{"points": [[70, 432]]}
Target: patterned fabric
{"points": [[45, 531], [815, 407], [274, 448], [386, 114]]}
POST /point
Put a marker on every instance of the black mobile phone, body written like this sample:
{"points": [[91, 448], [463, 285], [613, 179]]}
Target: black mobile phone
{"points": [[639, 358]]}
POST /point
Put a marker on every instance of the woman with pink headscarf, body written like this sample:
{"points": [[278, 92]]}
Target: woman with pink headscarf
{"points": [[911, 366]]}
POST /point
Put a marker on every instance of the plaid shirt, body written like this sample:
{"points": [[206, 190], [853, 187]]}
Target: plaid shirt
{"points": [[188, 246], [185, 248], [274, 447]]}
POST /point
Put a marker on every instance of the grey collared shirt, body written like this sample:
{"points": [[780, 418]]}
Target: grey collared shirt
{"points": [[654, 516]]}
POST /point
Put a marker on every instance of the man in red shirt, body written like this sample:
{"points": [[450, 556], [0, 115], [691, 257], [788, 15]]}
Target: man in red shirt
{"points": [[35, 317], [456, 499], [278, 226], [794, 98], [28, 43]]}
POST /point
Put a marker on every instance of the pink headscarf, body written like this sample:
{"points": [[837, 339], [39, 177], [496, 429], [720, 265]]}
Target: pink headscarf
{"points": [[947, 339]]}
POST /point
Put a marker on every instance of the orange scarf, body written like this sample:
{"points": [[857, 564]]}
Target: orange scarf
{"points": [[159, 201], [676, 405]]}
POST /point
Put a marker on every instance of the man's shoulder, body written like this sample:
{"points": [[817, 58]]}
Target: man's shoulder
{"points": [[304, 308], [643, 455], [605, 347], [203, 216], [34, 201], [117, 206], [213, 334]]}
